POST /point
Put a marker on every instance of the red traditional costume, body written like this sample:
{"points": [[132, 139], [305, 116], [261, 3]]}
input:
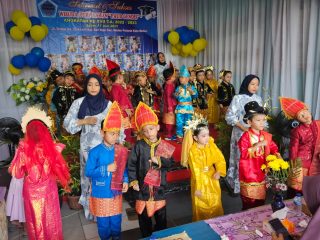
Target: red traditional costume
{"points": [[152, 74], [304, 141]]}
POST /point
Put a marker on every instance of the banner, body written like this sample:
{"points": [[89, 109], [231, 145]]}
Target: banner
{"points": [[89, 31]]}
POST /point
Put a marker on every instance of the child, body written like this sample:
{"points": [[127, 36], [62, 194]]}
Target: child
{"points": [[134, 45], [192, 78], [98, 45], [226, 91], [204, 91], [169, 103], [184, 94], [118, 93], [152, 74], [207, 164], [122, 45], [80, 78], [72, 45], [147, 166], [106, 168], [234, 117], [304, 139], [213, 107], [255, 145], [110, 45]]}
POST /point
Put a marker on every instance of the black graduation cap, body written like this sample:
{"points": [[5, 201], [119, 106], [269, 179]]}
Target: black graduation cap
{"points": [[145, 10]]}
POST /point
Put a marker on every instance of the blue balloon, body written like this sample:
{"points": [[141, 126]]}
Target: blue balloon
{"points": [[35, 20], [181, 30], [18, 61], [194, 35], [38, 52], [165, 36], [186, 37], [32, 60], [44, 64], [9, 25]]}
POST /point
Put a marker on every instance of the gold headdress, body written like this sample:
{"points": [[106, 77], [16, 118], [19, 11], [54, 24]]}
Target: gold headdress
{"points": [[34, 113], [209, 68]]}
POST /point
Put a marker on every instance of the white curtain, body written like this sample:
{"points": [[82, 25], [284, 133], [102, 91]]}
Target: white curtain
{"points": [[278, 40], [10, 48]]}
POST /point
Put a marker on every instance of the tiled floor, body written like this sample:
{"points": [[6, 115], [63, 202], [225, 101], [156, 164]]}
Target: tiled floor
{"points": [[76, 227]]}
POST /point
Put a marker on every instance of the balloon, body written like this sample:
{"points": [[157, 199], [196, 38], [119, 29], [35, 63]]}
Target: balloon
{"points": [[38, 52], [203, 43], [32, 60], [9, 25], [173, 37], [178, 46], [182, 54], [16, 14], [24, 24], [186, 37], [187, 48], [182, 29], [174, 50], [44, 64], [193, 53], [13, 70], [16, 33], [194, 35], [45, 28], [199, 44], [165, 36], [35, 21], [18, 61], [37, 33]]}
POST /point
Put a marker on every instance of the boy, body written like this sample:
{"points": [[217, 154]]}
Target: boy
{"points": [[184, 94], [226, 91], [80, 78], [255, 145], [147, 166], [106, 168]]}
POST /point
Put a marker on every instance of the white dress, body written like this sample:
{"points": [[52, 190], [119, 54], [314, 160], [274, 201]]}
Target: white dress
{"points": [[15, 206]]}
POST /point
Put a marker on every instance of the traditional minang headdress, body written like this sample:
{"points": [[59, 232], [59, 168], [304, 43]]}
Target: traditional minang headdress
{"points": [[184, 71], [252, 108], [144, 115], [34, 113], [113, 120], [113, 68], [95, 70], [291, 107], [151, 71]]}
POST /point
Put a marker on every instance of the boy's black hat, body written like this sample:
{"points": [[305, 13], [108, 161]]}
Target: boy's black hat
{"points": [[252, 108]]}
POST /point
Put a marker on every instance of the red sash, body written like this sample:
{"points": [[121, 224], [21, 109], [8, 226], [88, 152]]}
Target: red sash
{"points": [[120, 159]]}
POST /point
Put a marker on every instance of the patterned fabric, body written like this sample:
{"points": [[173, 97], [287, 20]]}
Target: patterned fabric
{"points": [[144, 115], [226, 93], [63, 98], [213, 107], [291, 107], [105, 207], [151, 206], [159, 70], [113, 120], [203, 90], [235, 114]]}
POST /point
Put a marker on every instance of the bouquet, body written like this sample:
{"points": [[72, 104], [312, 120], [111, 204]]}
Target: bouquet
{"points": [[30, 91]]}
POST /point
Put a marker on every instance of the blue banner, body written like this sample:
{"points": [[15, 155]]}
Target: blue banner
{"points": [[89, 31]]}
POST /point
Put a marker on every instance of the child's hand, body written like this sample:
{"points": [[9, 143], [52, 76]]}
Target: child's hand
{"points": [[125, 187], [112, 167], [136, 187], [216, 175], [198, 193], [154, 160], [262, 143]]}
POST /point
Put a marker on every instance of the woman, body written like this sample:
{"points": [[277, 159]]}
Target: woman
{"points": [[39, 161], [85, 115], [160, 67]]}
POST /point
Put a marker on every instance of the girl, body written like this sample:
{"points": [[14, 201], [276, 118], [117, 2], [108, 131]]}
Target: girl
{"points": [[207, 164], [213, 107], [234, 117], [226, 91]]}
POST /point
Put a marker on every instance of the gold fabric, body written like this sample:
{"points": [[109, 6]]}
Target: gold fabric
{"points": [[105, 207], [152, 206], [255, 190], [213, 106], [204, 162]]}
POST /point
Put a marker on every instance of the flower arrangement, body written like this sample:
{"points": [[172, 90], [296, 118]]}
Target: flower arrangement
{"points": [[30, 91], [277, 171]]}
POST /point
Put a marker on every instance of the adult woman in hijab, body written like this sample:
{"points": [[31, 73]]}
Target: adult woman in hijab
{"points": [[85, 115], [160, 67], [234, 117]]}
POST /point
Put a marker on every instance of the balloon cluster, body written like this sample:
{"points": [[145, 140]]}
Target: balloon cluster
{"points": [[185, 41], [35, 58], [21, 25]]}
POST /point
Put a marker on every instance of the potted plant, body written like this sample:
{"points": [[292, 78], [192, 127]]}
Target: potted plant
{"points": [[75, 186]]}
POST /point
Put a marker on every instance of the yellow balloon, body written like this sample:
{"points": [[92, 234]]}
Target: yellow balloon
{"points": [[174, 50], [16, 14], [187, 48], [197, 45], [45, 28], [16, 33], [13, 70], [182, 54], [203, 43], [37, 33], [193, 53], [173, 37], [24, 24], [178, 46]]}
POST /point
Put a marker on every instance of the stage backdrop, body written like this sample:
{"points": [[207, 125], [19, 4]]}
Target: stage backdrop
{"points": [[89, 31]]}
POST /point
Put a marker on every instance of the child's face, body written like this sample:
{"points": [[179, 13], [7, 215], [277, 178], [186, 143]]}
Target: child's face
{"points": [[151, 79], [192, 75], [227, 78], [200, 76], [93, 87], [253, 86], [209, 75], [69, 80], [162, 58], [120, 79], [110, 137], [151, 132], [142, 81], [203, 137], [304, 116], [257, 122], [60, 80], [184, 80]]}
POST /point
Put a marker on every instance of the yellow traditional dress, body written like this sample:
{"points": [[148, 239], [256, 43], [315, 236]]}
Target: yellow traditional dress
{"points": [[204, 162], [213, 107]]}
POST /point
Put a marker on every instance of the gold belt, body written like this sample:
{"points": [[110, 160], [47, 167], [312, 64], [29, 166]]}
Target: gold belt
{"points": [[185, 103]]}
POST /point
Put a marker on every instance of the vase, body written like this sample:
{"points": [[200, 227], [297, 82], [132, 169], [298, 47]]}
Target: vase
{"points": [[277, 202]]}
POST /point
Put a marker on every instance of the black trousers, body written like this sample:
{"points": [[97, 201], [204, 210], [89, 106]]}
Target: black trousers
{"points": [[145, 222]]}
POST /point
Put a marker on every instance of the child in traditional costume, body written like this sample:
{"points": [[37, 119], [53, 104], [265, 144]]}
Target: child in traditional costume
{"points": [[152, 74], [169, 103], [207, 165], [148, 163], [109, 179], [255, 145], [304, 139], [213, 107], [184, 93], [234, 117], [39, 161], [226, 91], [80, 78]]}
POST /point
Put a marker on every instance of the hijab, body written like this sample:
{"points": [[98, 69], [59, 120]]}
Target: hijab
{"points": [[160, 63], [245, 84], [92, 105]]}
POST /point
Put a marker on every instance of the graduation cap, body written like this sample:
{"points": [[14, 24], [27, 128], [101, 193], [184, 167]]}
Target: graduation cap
{"points": [[145, 10]]}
